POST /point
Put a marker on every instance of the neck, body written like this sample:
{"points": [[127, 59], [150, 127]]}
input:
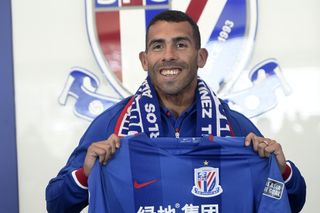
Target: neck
{"points": [[177, 104]]}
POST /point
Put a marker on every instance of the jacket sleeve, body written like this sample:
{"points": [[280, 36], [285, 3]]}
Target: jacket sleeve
{"points": [[296, 186], [63, 193]]}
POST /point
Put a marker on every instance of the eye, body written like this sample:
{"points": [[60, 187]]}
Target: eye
{"points": [[156, 46], [182, 44]]}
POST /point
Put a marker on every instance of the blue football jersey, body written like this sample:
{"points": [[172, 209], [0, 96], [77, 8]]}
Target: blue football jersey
{"points": [[170, 175]]}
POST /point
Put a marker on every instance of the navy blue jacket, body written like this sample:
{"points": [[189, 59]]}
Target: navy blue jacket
{"points": [[64, 195]]}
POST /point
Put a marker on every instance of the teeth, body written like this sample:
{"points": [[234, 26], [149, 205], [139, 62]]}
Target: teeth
{"points": [[170, 72]]}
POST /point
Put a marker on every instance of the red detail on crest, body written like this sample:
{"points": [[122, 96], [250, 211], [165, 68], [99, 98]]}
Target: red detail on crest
{"points": [[132, 3], [195, 9], [108, 29], [199, 184], [211, 175]]}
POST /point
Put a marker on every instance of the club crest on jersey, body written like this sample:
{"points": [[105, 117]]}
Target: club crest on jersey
{"points": [[206, 182]]}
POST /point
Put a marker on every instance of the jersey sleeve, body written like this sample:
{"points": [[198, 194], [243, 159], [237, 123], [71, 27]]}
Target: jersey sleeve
{"points": [[296, 186], [274, 196], [63, 194], [110, 186], [96, 190]]}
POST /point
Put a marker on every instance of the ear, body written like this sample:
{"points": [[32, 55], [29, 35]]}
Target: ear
{"points": [[143, 60], [202, 57]]}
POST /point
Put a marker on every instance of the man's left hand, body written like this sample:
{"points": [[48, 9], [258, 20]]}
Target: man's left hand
{"points": [[266, 146]]}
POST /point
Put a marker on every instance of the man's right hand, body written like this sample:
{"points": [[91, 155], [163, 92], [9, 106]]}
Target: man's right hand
{"points": [[103, 150]]}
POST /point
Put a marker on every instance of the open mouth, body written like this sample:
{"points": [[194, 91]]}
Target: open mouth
{"points": [[170, 72]]}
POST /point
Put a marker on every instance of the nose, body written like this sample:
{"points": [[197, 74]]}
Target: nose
{"points": [[169, 53]]}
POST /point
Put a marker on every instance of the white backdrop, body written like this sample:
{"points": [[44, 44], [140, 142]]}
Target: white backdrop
{"points": [[50, 38]]}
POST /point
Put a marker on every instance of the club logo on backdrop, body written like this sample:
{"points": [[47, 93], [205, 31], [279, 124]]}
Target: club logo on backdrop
{"points": [[116, 31], [206, 182]]}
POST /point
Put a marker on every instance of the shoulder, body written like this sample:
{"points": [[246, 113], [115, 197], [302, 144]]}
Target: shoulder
{"points": [[240, 124], [103, 125], [110, 113]]}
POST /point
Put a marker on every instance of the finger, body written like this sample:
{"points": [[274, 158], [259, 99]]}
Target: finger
{"points": [[106, 145], [268, 142], [261, 149], [95, 150], [115, 139], [114, 143], [92, 154], [249, 138], [104, 149], [107, 155], [118, 143], [255, 143], [272, 145], [277, 150], [262, 141], [102, 152], [110, 147]]}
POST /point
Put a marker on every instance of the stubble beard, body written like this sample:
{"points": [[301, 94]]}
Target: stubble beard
{"points": [[175, 89]]}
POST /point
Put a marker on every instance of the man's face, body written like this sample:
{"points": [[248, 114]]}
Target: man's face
{"points": [[171, 58]]}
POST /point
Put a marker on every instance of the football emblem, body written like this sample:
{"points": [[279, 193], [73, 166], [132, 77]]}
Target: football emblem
{"points": [[117, 34], [206, 182], [116, 31]]}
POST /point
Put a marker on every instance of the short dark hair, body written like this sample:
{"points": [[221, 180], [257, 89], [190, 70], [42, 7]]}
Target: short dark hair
{"points": [[176, 16]]}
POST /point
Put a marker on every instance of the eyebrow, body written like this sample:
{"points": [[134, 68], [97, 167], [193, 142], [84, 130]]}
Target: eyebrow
{"points": [[175, 40], [182, 38], [155, 41]]}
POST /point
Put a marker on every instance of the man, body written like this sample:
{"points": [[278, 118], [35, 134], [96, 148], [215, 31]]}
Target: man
{"points": [[172, 102]]}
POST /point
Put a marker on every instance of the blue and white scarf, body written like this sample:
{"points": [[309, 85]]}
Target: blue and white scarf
{"points": [[142, 113]]}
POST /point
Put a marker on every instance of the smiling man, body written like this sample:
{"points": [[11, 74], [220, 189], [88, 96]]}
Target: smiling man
{"points": [[172, 102], [172, 58]]}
